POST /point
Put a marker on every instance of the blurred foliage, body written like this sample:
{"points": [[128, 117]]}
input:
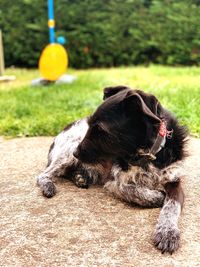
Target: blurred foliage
{"points": [[104, 32]]}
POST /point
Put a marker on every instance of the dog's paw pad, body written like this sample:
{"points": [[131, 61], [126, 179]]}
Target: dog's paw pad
{"points": [[49, 190], [167, 239], [80, 181]]}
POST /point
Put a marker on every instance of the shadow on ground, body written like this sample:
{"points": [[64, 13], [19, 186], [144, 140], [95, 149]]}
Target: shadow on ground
{"points": [[80, 227]]}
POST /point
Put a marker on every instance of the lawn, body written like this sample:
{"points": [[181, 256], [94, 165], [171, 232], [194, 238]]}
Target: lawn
{"points": [[45, 110]]}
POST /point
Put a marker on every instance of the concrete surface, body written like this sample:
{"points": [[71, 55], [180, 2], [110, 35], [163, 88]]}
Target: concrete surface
{"points": [[80, 227]]}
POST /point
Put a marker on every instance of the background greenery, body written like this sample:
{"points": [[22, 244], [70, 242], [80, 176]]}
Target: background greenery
{"points": [[104, 33], [33, 111]]}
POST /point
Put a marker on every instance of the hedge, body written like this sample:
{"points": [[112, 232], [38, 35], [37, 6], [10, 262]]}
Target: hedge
{"points": [[104, 33]]}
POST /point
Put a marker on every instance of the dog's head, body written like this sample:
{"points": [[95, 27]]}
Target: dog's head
{"points": [[126, 121]]}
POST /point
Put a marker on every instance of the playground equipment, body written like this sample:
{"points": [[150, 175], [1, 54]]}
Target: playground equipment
{"points": [[53, 61], [3, 78]]}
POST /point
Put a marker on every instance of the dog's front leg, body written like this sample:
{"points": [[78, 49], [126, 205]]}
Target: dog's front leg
{"points": [[135, 186], [134, 193], [167, 235]]}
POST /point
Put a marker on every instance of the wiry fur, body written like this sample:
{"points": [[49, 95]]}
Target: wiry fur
{"points": [[61, 161], [104, 148]]}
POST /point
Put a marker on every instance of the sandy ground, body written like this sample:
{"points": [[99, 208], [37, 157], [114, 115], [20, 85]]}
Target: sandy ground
{"points": [[80, 227]]}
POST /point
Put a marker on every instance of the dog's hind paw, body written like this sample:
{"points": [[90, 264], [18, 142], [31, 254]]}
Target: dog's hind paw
{"points": [[49, 189], [167, 238]]}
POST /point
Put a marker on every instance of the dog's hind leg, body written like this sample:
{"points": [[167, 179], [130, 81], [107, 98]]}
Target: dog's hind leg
{"points": [[46, 179], [136, 194], [60, 157], [167, 235]]}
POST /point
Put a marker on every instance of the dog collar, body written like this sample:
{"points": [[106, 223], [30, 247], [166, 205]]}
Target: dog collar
{"points": [[159, 143]]}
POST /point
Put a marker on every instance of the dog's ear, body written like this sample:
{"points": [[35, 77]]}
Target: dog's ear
{"points": [[110, 91], [135, 105], [152, 102]]}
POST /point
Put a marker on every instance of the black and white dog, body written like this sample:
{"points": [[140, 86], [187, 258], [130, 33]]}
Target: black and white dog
{"points": [[134, 147]]}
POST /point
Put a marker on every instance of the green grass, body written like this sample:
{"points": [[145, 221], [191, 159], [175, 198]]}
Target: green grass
{"points": [[45, 110]]}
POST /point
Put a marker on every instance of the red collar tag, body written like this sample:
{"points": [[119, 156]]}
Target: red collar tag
{"points": [[163, 129]]}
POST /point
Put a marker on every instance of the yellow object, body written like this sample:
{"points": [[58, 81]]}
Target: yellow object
{"points": [[51, 23], [53, 62]]}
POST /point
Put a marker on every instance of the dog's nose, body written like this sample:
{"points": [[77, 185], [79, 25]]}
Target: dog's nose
{"points": [[75, 154]]}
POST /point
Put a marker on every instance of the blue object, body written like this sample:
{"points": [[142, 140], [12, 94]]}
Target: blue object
{"points": [[51, 21], [61, 40]]}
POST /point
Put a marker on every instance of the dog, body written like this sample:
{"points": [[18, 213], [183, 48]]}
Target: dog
{"points": [[134, 147]]}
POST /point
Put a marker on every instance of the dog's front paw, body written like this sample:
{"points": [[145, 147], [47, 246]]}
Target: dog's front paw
{"points": [[81, 181], [167, 238], [49, 189]]}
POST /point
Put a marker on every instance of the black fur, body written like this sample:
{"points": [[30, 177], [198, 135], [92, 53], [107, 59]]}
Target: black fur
{"points": [[126, 121]]}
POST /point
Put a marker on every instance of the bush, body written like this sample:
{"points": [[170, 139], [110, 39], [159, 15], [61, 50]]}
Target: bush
{"points": [[104, 32]]}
